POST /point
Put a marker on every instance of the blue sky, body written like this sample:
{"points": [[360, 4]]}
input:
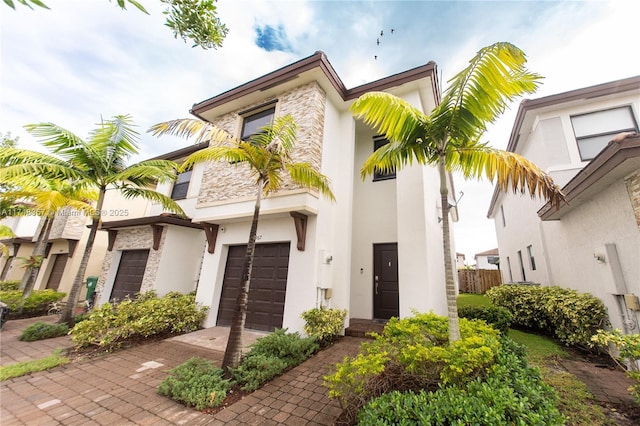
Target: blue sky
{"points": [[84, 60]]}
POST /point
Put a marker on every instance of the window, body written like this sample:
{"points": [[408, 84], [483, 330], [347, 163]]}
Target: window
{"points": [[509, 267], [254, 122], [181, 186], [594, 130], [504, 222], [532, 260], [378, 142], [524, 276]]}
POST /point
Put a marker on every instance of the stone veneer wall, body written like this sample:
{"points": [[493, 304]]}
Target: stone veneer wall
{"points": [[223, 182], [69, 224], [135, 239], [633, 187]]}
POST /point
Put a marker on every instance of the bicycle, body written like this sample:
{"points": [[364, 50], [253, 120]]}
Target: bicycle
{"points": [[55, 308]]}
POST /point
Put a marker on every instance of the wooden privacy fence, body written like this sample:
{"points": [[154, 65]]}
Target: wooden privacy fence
{"points": [[478, 280]]}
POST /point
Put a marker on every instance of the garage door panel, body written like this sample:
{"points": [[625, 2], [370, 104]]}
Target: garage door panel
{"points": [[268, 286], [130, 273]]}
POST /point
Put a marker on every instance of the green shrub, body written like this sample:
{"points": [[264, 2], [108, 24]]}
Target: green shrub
{"points": [[36, 304], [570, 316], [196, 383], [9, 285], [511, 393], [43, 330], [146, 316], [413, 354], [496, 316], [324, 324], [255, 370], [628, 347], [270, 356]]}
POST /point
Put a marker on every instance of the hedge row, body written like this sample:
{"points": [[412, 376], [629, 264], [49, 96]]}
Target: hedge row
{"points": [[570, 316]]}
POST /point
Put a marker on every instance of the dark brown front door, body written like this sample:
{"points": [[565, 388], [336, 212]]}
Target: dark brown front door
{"points": [[57, 270], [267, 290], [385, 281], [130, 273]]}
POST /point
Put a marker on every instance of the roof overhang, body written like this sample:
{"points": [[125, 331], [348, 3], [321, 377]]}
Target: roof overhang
{"points": [[150, 220], [312, 68], [620, 158]]}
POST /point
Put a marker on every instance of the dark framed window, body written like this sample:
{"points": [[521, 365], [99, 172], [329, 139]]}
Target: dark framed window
{"points": [[378, 142], [504, 222], [532, 259], [181, 186], [524, 276], [252, 124], [509, 266], [594, 130]]}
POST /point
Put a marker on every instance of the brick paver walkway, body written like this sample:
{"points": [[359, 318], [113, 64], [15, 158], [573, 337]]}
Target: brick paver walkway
{"points": [[120, 388]]}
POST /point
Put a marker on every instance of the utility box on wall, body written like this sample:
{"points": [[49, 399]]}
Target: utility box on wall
{"points": [[632, 302]]}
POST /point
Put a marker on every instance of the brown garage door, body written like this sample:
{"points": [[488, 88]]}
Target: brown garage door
{"points": [[57, 270], [130, 273], [267, 290]]}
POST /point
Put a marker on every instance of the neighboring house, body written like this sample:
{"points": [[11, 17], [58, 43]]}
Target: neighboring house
{"points": [[460, 260], [376, 251], [593, 243], [489, 259], [65, 247]]}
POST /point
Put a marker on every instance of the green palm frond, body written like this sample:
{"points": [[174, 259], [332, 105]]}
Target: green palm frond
{"points": [[151, 195], [481, 92], [305, 175], [392, 117], [116, 141], [231, 154], [188, 128], [58, 139], [395, 155], [146, 173], [510, 171], [282, 132]]}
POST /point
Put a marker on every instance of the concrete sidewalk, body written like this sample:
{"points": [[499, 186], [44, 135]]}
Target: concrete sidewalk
{"points": [[120, 388]]}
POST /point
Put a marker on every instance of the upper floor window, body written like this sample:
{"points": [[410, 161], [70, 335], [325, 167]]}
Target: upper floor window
{"points": [[504, 222], [594, 130], [254, 122], [379, 142], [181, 186]]}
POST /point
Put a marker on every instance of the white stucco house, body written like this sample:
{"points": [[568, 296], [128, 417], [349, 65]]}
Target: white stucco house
{"points": [[587, 140], [376, 251], [489, 259]]}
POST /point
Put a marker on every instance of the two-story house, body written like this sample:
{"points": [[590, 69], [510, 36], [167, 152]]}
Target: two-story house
{"points": [[592, 244], [376, 251]]}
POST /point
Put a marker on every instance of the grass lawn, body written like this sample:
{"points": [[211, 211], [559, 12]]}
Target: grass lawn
{"points": [[574, 399], [21, 368]]}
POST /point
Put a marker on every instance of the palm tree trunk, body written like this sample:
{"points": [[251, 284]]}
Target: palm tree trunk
{"points": [[452, 307], [69, 311], [233, 352], [30, 275]]}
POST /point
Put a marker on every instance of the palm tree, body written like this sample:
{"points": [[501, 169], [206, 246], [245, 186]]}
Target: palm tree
{"points": [[267, 154], [449, 137], [100, 163], [47, 197]]}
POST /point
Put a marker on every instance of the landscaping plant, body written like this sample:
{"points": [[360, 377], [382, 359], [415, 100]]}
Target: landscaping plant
{"points": [[410, 355], [110, 326], [42, 330], [36, 304], [496, 316], [511, 393], [324, 324], [628, 354], [196, 383], [570, 316]]}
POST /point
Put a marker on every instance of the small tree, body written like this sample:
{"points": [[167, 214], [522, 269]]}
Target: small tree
{"points": [[267, 154], [99, 163]]}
